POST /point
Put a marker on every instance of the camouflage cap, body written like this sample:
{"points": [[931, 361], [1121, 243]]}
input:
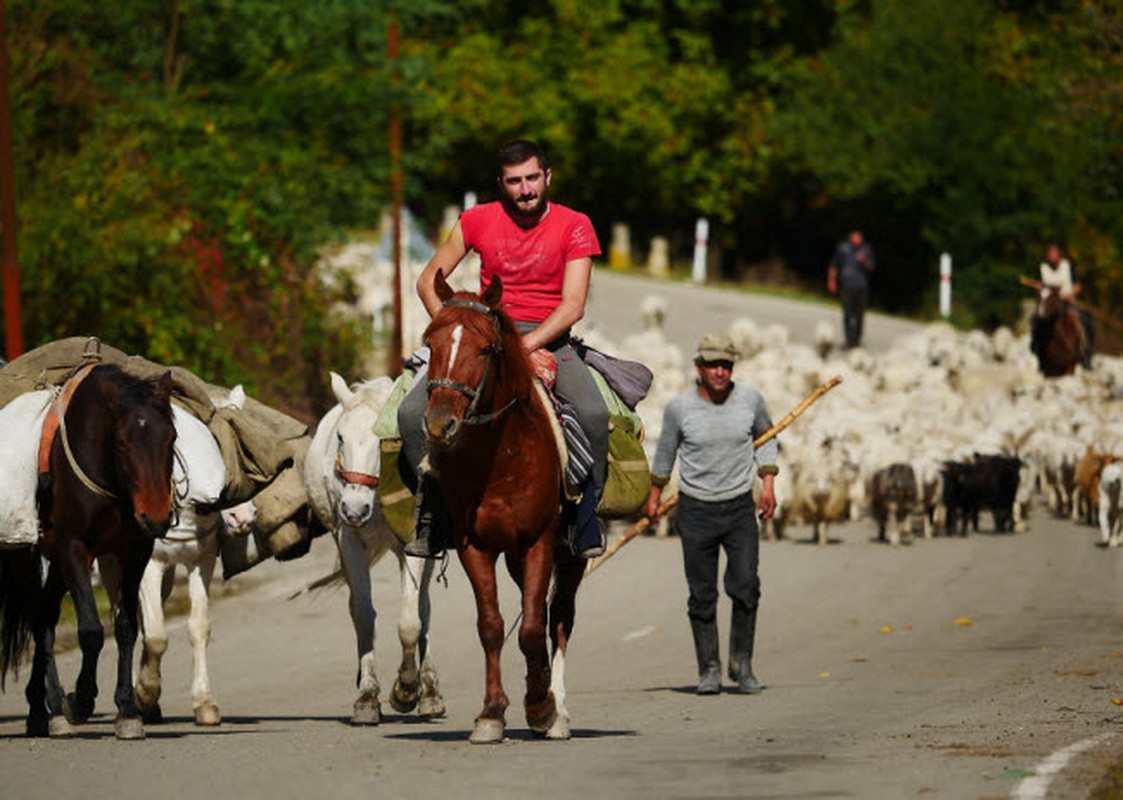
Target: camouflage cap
{"points": [[716, 347]]}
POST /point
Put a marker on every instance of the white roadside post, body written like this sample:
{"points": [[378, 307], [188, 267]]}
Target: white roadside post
{"points": [[945, 285], [701, 244]]}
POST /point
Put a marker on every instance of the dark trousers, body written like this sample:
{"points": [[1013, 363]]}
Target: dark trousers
{"points": [[704, 527], [854, 302]]}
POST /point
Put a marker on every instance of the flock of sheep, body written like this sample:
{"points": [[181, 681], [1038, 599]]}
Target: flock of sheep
{"points": [[944, 404], [920, 437]]}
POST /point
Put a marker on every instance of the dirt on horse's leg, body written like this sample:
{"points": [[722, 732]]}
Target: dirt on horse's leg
{"points": [[539, 702], [199, 631], [155, 639], [480, 567], [432, 704], [407, 687], [568, 574]]}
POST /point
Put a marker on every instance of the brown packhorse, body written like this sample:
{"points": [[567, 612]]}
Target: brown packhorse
{"points": [[1061, 343], [492, 448], [110, 492]]}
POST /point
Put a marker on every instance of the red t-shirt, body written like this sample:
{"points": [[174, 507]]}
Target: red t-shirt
{"points": [[531, 262]]}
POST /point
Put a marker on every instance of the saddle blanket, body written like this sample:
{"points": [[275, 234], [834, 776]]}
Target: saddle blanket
{"points": [[21, 424]]}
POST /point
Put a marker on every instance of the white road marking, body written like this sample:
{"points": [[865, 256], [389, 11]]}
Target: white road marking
{"points": [[1036, 786], [650, 629]]}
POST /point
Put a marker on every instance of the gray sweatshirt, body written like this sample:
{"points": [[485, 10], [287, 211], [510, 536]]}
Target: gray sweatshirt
{"points": [[714, 443]]}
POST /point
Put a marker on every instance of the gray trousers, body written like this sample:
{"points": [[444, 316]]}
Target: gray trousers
{"points": [[574, 385], [705, 527]]}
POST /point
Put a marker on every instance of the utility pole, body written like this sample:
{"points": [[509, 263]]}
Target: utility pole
{"points": [[13, 323], [392, 45]]}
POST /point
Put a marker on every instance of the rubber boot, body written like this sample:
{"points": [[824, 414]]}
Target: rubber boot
{"points": [[706, 649], [431, 538], [742, 633]]}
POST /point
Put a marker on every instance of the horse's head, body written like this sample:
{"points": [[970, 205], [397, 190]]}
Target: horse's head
{"points": [[476, 364], [144, 441], [357, 451]]}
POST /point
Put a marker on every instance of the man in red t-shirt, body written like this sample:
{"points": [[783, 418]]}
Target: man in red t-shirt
{"points": [[542, 252]]}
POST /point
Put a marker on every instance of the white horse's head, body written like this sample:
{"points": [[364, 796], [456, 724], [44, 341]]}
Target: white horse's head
{"points": [[357, 452]]}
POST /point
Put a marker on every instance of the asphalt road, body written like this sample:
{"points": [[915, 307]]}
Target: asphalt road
{"points": [[947, 668], [693, 311], [978, 668]]}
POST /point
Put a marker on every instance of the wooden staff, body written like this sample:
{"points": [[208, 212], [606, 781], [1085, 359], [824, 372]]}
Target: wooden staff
{"points": [[1095, 312], [670, 502]]}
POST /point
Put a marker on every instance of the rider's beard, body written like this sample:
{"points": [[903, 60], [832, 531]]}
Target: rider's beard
{"points": [[526, 214]]}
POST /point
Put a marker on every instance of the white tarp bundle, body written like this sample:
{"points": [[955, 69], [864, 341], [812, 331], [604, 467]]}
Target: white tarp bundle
{"points": [[21, 425]]}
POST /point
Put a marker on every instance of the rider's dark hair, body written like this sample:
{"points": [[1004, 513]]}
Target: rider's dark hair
{"points": [[521, 150]]}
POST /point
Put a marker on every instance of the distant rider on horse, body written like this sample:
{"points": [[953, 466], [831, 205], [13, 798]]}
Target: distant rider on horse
{"points": [[1057, 278], [543, 253]]}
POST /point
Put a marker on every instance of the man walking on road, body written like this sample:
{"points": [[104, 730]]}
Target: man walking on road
{"points": [[848, 277], [711, 428]]}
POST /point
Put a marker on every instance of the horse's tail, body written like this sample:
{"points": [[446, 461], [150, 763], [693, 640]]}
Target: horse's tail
{"points": [[19, 588]]}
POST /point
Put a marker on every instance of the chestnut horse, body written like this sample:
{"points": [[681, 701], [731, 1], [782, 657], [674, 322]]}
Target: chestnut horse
{"points": [[492, 448], [110, 491], [1063, 343]]}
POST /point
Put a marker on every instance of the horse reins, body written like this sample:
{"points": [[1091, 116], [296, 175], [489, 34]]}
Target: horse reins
{"points": [[61, 402], [473, 393]]}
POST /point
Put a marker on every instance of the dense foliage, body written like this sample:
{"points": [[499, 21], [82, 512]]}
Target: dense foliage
{"points": [[180, 162]]}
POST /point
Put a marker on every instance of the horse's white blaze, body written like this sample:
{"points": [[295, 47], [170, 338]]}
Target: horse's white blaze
{"points": [[457, 333]]}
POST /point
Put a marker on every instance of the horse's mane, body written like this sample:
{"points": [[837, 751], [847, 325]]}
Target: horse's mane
{"points": [[513, 366], [133, 392]]}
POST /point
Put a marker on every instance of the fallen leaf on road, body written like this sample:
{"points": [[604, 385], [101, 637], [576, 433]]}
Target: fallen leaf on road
{"points": [[1114, 654], [1117, 700], [906, 627], [886, 629], [824, 674], [963, 622], [857, 659]]}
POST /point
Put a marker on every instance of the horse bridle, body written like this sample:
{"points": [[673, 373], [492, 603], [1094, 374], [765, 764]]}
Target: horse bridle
{"points": [[352, 477], [473, 392]]}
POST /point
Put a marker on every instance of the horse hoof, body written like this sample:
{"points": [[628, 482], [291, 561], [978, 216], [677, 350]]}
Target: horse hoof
{"points": [[431, 707], [403, 699], [75, 710], [366, 714], [128, 728], [208, 715], [60, 728], [487, 731], [559, 731], [152, 716], [37, 727]]}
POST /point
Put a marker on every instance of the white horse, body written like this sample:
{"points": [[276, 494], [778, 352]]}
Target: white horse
{"points": [[199, 474], [341, 474]]}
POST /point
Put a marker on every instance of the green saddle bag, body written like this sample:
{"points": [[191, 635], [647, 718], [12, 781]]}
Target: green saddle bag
{"points": [[393, 495]]}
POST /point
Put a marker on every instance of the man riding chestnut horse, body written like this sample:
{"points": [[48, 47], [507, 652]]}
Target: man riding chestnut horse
{"points": [[542, 252]]}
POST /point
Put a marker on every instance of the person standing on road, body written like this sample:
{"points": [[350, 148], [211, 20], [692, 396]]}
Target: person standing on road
{"points": [[711, 428], [849, 277], [542, 251]]}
